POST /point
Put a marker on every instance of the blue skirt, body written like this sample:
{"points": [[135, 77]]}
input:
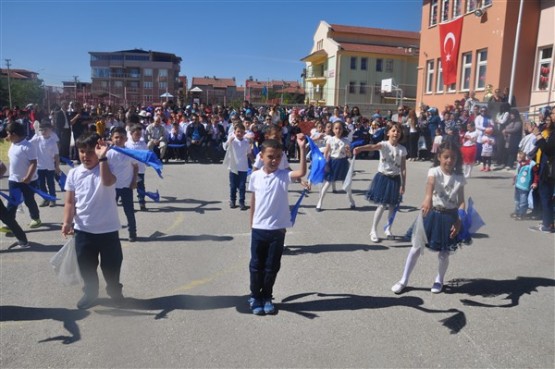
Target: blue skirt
{"points": [[338, 170], [384, 189], [438, 226]]}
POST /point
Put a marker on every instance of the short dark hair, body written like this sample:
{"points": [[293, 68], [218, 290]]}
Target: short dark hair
{"points": [[118, 130], [16, 129], [135, 128], [87, 140], [271, 143], [240, 126]]}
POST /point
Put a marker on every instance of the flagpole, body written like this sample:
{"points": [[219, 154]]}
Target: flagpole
{"points": [[515, 53]]}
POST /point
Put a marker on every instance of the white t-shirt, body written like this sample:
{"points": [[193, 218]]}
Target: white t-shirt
{"points": [[95, 204], [283, 164], [391, 158], [271, 209], [140, 145], [337, 147], [47, 149], [122, 167], [470, 138], [20, 154], [487, 145], [241, 149], [446, 188]]}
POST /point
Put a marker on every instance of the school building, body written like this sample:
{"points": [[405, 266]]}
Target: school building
{"points": [[486, 49], [347, 64]]}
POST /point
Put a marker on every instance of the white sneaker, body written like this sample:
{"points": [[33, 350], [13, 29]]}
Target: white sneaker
{"points": [[398, 287], [388, 232], [437, 287], [374, 237]]}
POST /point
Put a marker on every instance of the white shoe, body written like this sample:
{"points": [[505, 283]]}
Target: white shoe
{"points": [[374, 237], [398, 287], [437, 287], [388, 232]]}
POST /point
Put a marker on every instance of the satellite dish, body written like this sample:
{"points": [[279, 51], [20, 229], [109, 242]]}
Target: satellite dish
{"points": [[479, 12]]}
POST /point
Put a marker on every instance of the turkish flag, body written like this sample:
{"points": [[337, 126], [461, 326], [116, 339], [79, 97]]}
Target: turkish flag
{"points": [[450, 37]]}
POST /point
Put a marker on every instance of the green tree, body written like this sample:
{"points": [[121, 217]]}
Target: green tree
{"points": [[23, 92]]}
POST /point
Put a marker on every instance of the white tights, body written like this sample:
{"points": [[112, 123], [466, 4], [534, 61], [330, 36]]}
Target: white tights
{"points": [[412, 258], [325, 188], [378, 216]]}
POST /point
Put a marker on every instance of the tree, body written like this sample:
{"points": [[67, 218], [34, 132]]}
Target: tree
{"points": [[23, 92]]}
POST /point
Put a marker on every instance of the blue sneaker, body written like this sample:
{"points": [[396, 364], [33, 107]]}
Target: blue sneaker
{"points": [[257, 307], [269, 308]]}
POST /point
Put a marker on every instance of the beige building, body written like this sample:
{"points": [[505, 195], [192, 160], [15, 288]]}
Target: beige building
{"points": [[132, 77], [347, 65], [487, 43]]}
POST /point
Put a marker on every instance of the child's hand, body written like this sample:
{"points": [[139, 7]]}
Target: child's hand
{"points": [[455, 228], [534, 186], [426, 207], [306, 184], [301, 139], [355, 151], [67, 230], [101, 148]]}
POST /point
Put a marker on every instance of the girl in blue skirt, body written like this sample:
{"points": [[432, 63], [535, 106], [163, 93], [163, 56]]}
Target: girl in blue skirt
{"points": [[337, 152], [389, 183], [441, 223]]}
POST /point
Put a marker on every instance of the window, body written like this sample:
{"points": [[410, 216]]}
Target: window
{"points": [[471, 5], [429, 76], [163, 73], [101, 73], [465, 72], [457, 8], [487, 3], [545, 64], [481, 64], [439, 86], [452, 87], [148, 98], [389, 65], [433, 13], [118, 84], [163, 85], [103, 84], [147, 72], [363, 88], [134, 73], [320, 45], [147, 85], [353, 62], [363, 63], [352, 88], [444, 10], [379, 65]]}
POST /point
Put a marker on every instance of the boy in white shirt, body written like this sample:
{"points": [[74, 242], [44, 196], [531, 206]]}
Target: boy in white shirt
{"points": [[48, 164], [23, 172], [125, 169], [91, 214], [137, 143], [270, 216], [241, 150]]}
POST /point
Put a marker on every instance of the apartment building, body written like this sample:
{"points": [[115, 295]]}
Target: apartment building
{"points": [[487, 43], [347, 64], [132, 77]]}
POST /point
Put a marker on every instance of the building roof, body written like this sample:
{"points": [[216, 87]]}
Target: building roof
{"points": [[374, 49], [19, 73], [214, 82], [375, 31]]}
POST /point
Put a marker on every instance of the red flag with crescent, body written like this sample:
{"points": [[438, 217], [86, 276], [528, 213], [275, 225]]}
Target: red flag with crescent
{"points": [[450, 37]]}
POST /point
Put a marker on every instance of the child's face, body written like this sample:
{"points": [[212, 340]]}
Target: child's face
{"points": [[337, 130], [521, 156], [88, 157], [136, 136], [239, 133], [45, 132], [12, 137], [394, 134], [447, 160], [119, 139], [271, 158]]}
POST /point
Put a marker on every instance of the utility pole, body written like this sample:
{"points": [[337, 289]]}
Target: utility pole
{"points": [[9, 81], [75, 85]]}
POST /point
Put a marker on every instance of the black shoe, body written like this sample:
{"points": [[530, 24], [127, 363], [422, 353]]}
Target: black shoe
{"points": [[143, 208], [86, 302], [132, 237], [45, 203], [232, 205], [243, 207]]}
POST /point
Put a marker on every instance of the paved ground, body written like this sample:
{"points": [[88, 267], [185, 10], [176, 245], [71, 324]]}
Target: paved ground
{"points": [[187, 281]]}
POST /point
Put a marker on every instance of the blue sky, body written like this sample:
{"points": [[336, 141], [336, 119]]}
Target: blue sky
{"points": [[263, 39]]}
